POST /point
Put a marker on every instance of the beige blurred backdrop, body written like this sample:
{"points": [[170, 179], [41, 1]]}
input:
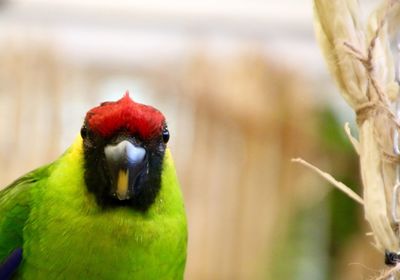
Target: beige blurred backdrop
{"points": [[244, 89]]}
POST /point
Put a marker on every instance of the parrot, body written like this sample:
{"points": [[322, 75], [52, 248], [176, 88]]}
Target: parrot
{"points": [[110, 207]]}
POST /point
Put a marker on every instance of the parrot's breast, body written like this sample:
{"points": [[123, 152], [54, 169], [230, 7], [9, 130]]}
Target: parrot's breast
{"points": [[68, 236]]}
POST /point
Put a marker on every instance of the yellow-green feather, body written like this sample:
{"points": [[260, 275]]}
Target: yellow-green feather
{"points": [[15, 202], [67, 236]]}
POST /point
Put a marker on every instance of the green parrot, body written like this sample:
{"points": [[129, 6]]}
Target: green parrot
{"points": [[109, 208]]}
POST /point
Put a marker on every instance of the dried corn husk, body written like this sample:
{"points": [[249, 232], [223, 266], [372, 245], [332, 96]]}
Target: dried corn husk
{"points": [[360, 61]]}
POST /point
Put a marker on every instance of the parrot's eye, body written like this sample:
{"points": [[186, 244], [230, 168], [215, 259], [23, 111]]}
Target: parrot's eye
{"points": [[84, 132], [165, 135]]}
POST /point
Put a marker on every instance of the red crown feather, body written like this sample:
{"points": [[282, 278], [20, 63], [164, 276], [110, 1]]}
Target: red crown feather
{"points": [[136, 118]]}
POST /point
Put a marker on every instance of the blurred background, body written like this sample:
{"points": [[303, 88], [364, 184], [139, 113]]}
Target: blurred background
{"points": [[244, 88]]}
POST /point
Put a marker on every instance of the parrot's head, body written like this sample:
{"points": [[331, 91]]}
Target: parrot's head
{"points": [[124, 143]]}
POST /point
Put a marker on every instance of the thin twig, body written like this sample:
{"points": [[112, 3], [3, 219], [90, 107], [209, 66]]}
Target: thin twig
{"points": [[355, 52], [354, 141], [331, 180]]}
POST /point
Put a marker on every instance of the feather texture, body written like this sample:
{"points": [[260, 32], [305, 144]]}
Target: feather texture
{"points": [[65, 234]]}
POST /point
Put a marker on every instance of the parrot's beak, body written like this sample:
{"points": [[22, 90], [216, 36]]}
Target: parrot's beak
{"points": [[126, 162]]}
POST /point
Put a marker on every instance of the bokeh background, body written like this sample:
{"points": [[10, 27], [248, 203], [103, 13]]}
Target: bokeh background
{"points": [[244, 88]]}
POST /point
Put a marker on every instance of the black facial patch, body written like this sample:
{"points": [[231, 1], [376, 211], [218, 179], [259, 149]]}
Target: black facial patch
{"points": [[97, 177]]}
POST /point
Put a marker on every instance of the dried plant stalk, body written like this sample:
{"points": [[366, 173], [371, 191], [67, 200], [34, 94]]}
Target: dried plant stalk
{"points": [[360, 60], [331, 180]]}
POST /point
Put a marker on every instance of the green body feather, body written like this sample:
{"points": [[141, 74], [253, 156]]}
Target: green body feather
{"points": [[65, 235]]}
